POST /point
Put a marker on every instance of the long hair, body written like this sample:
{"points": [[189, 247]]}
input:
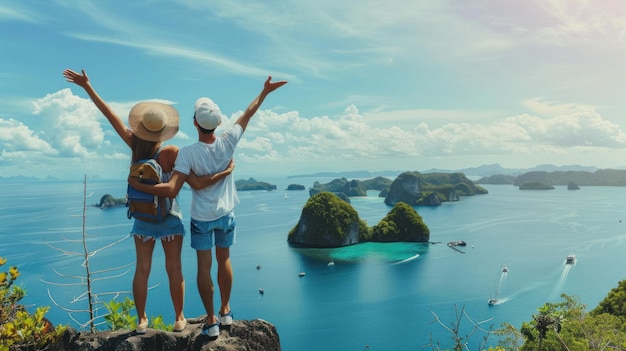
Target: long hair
{"points": [[143, 149]]}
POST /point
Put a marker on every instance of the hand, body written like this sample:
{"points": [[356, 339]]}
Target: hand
{"points": [[132, 181], [231, 166], [271, 86], [76, 78]]}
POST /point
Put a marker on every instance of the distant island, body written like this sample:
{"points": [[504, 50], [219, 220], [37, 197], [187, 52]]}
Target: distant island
{"points": [[412, 188], [295, 187], [601, 177], [108, 201], [535, 186], [327, 221], [479, 171], [351, 187], [253, 184], [432, 189]]}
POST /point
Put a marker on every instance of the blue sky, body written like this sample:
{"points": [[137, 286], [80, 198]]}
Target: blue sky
{"points": [[394, 85]]}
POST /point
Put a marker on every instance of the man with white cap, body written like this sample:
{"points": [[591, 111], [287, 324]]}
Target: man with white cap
{"points": [[212, 208]]}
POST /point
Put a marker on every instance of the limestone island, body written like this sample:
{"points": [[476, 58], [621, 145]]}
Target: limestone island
{"points": [[329, 222], [535, 186], [572, 186], [252, 184], [351, 188], [295, 187], [430, 189], [108, 201]]}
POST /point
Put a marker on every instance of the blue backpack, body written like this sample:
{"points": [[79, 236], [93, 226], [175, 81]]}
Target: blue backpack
{"points": [[142, 205]]}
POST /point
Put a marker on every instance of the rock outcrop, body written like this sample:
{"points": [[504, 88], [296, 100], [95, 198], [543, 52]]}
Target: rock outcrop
{"points": [[327, 221], [240, 336], [108, 201], [430, 189]]}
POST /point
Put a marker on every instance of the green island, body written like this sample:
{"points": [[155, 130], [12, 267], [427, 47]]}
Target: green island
{"points": [[253, 184], [328, 221], [412, 188], [108, 201], [601, 177]]}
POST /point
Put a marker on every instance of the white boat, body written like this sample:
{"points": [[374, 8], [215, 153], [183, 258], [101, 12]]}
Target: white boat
{"points": [[570, 259], [492, 300], [505, 269]]}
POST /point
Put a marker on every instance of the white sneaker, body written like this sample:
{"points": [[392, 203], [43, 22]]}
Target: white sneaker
{"points": [[226, 319], [211, 331]]}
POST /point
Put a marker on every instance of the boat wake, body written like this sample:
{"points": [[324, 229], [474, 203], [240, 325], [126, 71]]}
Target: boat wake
{"points": [[558, 288], [408, 259], [496, 299]]}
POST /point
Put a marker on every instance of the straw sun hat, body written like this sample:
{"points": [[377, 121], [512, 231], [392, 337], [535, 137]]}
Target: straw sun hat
{"points": [[153, 121]]}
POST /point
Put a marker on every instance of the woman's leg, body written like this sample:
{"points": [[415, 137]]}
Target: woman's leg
{"points": [[172, 248], [143, 252]]}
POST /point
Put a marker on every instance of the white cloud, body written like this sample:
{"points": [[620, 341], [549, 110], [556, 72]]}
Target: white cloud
{"points": [[17, 140], [319, 139], [69, 123]]}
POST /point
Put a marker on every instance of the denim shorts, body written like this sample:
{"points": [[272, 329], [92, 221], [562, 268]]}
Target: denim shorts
{"points": [[165, 229], [222, 229]]}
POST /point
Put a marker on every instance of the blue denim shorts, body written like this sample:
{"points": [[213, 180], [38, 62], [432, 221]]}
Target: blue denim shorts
{"points": [[165, 229], [221, 229]]}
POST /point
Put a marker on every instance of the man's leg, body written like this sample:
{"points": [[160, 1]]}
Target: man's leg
{"points": [[224, 277], [205, 283]]}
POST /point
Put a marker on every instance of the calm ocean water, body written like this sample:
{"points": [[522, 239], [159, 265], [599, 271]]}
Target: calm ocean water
{"points": [[384, 296]]}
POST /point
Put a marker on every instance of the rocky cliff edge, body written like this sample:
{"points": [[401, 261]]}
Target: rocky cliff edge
{"points": [[241, 335]]}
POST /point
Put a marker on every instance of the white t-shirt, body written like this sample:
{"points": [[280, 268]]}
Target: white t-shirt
{"points": [[219, 199]]}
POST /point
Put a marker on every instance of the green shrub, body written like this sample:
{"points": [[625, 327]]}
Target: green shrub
{"points": [[20, 329]]}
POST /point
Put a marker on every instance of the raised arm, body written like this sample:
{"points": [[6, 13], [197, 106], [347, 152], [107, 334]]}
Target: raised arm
{"points": [[256, 103], [199, 182], [169, 189], [82, 80]]}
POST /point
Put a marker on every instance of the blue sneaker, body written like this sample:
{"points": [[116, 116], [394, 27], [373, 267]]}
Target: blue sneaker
{"points": [[212, 331], [226, 319]]}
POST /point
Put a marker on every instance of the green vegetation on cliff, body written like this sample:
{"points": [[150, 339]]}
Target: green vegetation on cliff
{"points": [[402, 223], [327, 221]]}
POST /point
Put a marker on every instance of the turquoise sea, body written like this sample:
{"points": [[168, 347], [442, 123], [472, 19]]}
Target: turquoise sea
{"points": [[375, 296]]}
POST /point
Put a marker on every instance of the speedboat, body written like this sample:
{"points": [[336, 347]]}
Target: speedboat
{"points": [[492, 301], [571, 259], [505, 269]]}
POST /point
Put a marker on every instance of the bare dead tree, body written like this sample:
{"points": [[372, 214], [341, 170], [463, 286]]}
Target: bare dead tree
{"points": [[461, 341], [93, 299]]}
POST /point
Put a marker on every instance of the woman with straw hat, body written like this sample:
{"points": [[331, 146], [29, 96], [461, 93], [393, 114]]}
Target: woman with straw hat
{"points": [[150, 124]]}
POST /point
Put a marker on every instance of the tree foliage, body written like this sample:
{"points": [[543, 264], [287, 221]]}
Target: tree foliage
{"points": [[614, 303], [567, 326]]}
